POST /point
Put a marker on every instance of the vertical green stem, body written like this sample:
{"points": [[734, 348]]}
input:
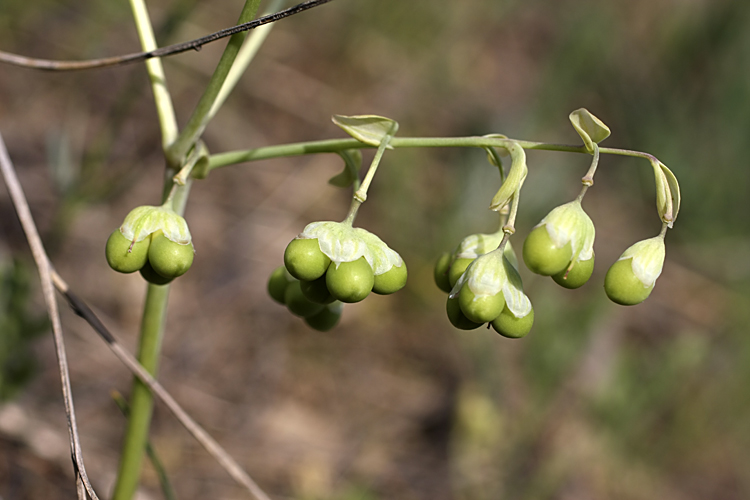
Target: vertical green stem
{"points": [[163, 100], [201, 115], [141, 403]]}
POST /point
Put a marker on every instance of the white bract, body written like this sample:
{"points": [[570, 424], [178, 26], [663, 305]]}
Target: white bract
{"points": [[648, 259], [491, 274], [142, 221], [343, 243], [569, 223]]}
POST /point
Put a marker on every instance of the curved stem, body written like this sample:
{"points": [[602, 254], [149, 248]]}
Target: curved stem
{"points": [[336, 145]]}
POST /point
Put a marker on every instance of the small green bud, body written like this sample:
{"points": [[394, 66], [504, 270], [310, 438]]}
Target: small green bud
{"points": [[168, 258], [508, 325], [317, 291], [542, 255], [577, 275], [457, 317], [442, 266], [297, 303], [304, 260], [350, 281], [390, 281], [564, 234], [457, 269], [630, 280], [327, 318], [121, 257], [482, 308], [278, 282]]}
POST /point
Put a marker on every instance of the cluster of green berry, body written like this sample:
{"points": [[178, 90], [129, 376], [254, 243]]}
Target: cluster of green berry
{"points": [[330, 263], [310, 300], [153, 240], [561, 246], [482, 280]]}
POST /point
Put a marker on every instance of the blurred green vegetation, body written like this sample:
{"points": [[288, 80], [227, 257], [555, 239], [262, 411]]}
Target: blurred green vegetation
{"points": [[19, 328], [599, 401]]}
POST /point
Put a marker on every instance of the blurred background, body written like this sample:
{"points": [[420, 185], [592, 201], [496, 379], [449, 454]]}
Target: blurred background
{"points": [[599, 401]]}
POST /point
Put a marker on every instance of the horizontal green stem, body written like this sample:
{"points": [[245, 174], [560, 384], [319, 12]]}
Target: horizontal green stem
{"points": [[336, 145]]}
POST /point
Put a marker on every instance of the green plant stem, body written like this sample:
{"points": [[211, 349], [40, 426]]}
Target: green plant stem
{"points": [[141, 400], [161, 472], [244, 57], [164, 108], [154, 314], [202, 113], [336, 145]]}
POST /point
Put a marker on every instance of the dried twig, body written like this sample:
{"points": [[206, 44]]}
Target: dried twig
{"points": [[209, 443], [50, 65], [83, 485]]}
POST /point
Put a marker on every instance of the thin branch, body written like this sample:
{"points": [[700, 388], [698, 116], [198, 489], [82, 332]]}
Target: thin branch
{"points": [[84, 311], [42, 263], [50, 65]]}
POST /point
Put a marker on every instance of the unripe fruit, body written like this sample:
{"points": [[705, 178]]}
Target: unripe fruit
{"points": [[509, 326], [297, 303], [578, 275], [457, 269], [390, 281], [277, 284], [442, 266], [121, 257], [480, 309], [623, 286], [327, 318], [542, 256], [168, 258], [304, 260], [350, 281], [316, 291], [152, 276], [457, 317]]}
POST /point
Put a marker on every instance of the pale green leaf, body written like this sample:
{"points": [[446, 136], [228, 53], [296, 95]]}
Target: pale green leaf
{"points": [[370, 129], [352, 163], [589, 127], [514, 180], [674, 189]]}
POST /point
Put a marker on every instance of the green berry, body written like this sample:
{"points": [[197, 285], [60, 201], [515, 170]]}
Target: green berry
{"points": [[297, 303], [457, 269], [277, 283], [390, 281], [152, 276], [480, 309], [317, 291], [121, 257], [327, 318], [622, 285], [168, 258], [578, 275], [457, 317], [350, 281], [542, 256], [442, 266], [509, 326], [305, 260]]}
